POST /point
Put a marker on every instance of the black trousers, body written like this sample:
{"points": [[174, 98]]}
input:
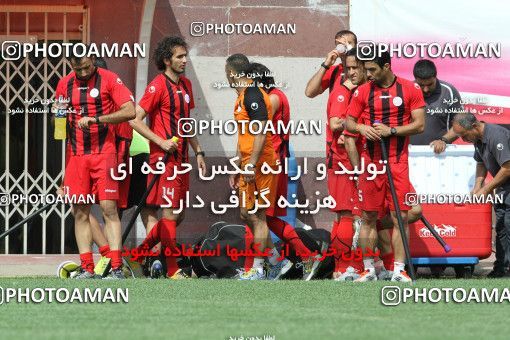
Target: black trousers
{"points": [[502, 232]]}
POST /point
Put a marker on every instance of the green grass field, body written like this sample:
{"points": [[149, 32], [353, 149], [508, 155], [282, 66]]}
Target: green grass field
{"points": [[220, 309]]}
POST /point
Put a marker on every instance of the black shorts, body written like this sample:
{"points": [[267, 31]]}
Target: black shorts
{"points": [[138, 180]]}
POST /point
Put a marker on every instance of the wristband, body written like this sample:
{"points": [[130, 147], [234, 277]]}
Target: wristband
{"points": [[444, 140], [200, 153], [97, 120], [324, 65]]}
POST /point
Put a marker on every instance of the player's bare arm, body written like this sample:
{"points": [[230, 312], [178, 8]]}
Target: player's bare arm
{"points": [[416, 126], [313, 87], [195, 145], [125, 113], [365, 130], [352, 151], [258, 146], [336, 124], [275, 103], [233, 180], [139, 125]]}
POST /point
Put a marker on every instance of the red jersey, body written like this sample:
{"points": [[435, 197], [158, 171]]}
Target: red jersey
{"points": [[281, 140], [333, 77], [166, 102], [337, 107], [100, 95], [391, 106]]}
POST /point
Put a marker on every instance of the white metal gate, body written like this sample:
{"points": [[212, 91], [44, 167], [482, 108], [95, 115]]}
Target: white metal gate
{"points": [[33, 162]]}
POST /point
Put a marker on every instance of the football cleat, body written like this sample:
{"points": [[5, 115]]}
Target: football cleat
{"points": [[116, 274], [252, 274], [179, 275], [279, 269], [310, 267], [401, 277], [102, 265], [350, 274], [85, 275], [367, 275], [385, 275]]}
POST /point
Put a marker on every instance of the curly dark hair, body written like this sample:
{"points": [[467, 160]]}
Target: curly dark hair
{"points": [[164, 50]]}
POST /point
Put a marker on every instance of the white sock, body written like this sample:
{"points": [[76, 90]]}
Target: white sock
{"points": [[258, 263], [398, 267], [275, 255], [369, 264]]}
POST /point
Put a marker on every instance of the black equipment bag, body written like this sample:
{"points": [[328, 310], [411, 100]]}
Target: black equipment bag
{"points": [[219, 236]]}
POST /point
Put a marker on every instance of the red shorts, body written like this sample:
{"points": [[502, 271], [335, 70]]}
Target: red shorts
{"points": [[386, 210], [375, 193], [168, 191], [275, 210], [344, 191], [91, 174]]}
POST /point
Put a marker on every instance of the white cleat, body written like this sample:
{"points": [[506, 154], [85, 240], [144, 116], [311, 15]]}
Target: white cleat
{"points": [[252, 274], [367, 275], [401, 277], [350, 274]]}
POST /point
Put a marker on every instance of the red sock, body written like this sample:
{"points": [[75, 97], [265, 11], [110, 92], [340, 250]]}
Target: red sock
{"points": [[116, 257], [168, 240], [337, 246], [104, 250], [87, 262], [388, 260], [152, 238], [150, 241], [287, 234], [248, 242], [346, 256], [345, 234]]}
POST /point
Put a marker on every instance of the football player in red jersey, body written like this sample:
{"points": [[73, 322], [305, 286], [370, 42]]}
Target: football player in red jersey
{"points": [[97, 100], [342, 152], [330, 75], [167, 100], [393, 108]]}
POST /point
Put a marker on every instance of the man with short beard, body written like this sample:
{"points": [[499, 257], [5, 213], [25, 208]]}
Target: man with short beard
{"points": [[329, 75], [344, 147], [168, 99], [97, 100], [387, 107]]}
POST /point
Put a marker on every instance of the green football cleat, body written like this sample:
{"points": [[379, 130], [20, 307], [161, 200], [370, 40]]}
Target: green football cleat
{"points": [[102, 265]]}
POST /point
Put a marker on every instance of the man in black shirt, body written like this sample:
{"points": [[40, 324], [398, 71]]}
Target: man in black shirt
{"points": [[443, 103], [492, 154]]}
